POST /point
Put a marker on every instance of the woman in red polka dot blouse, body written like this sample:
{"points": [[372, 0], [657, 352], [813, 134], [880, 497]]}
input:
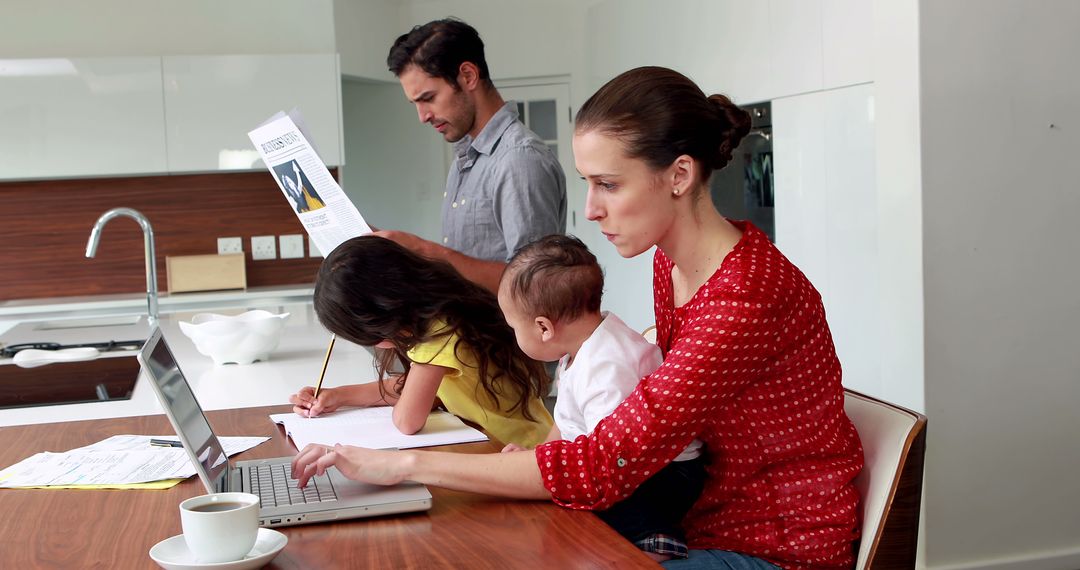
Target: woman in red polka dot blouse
{"points": [[749, 364]]}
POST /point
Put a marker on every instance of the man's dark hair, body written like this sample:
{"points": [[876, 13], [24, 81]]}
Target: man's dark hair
{"points": [[439, 48]]}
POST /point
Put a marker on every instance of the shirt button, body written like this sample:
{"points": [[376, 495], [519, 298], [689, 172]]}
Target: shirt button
{"points": [[444, 194], [463, 201], [453, 205], [620, 462], [445, 239]]}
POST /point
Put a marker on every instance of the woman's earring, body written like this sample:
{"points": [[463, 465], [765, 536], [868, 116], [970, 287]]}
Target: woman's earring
{"points": [[674, 191]]}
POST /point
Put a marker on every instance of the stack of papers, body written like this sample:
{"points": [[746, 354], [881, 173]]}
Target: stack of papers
{"points": [[119, 462], [374, 428]]}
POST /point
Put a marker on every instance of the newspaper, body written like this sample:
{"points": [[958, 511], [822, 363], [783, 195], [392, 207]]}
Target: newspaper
{"points": [[323, 208]]}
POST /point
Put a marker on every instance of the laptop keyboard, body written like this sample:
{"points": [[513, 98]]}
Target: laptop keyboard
{"points": [[276, 488]]}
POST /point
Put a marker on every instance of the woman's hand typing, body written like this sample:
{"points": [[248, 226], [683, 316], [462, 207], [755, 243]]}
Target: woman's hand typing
{"points": [[378, 467]]}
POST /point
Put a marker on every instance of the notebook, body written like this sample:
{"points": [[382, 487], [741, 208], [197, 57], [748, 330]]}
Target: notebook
{"points": [[329, 497]]}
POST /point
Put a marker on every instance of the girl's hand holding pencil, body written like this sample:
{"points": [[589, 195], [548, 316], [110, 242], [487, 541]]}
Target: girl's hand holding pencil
{"points": [[306, 404]]}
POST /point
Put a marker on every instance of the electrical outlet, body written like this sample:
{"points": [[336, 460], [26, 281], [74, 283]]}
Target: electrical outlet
{"points": [[313, 250], [230, 245], [292, 246], [263, 247]]}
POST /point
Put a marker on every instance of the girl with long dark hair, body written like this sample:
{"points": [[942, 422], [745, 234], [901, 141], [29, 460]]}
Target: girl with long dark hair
{"points": [[444, 333]]}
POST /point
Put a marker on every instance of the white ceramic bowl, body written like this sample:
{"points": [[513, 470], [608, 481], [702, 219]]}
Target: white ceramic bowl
{"points": [[240, 339]]}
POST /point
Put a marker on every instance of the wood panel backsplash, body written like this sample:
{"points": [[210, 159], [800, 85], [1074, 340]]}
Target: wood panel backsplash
{"points": [[45, 225]]}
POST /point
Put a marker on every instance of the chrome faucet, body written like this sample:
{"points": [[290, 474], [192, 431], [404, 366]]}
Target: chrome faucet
{"points": [[148, 243]]}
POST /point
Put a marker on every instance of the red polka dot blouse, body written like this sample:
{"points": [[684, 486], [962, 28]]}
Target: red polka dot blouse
{"points": [[750, 369]]}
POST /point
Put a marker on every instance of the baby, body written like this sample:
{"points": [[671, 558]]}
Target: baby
{"points": [[550, 295]]}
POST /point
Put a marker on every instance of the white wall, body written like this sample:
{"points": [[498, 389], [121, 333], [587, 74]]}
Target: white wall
{"points": [[394, 170], [59, 28], [522, 38], [1000, 203], [365, 30]]}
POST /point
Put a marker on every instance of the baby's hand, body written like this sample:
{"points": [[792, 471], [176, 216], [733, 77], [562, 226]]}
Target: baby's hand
{"points": [[512, 447]]}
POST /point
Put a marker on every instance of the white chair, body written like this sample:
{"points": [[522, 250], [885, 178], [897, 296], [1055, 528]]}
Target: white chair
{"points": [[890, 484]]}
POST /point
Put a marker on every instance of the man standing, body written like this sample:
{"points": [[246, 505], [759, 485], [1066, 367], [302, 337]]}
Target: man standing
{"points": [[505, 187]]}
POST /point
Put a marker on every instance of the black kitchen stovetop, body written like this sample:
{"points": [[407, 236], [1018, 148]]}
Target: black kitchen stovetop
{"points": [[105, 379]]}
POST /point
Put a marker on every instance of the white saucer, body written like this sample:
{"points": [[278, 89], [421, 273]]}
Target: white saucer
{"points": [[173, 554]]}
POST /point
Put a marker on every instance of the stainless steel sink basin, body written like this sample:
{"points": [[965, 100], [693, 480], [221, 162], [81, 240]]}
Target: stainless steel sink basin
{"points": [[101, 380], [110, 321]]}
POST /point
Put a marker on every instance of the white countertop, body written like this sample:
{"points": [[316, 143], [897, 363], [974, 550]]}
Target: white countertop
{"points": [[294, 364], [21, 309]]}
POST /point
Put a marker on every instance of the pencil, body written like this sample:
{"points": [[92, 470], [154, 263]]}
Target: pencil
{"points": [[326, 360]]}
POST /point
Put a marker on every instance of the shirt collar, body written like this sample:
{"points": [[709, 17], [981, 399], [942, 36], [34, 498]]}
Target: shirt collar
{"points": [[493, 131]]}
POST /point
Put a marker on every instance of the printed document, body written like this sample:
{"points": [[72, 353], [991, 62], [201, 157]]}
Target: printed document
{"points": [[374, 428], [322, 207], [119, 461]]}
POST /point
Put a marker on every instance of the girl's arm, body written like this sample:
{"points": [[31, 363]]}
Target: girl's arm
{"points": [[554, 434], [514, 475], [305, 404], [418, 397]]}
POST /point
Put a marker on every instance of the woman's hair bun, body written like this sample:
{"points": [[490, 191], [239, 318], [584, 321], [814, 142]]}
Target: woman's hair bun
{"points": [[735, 124]]}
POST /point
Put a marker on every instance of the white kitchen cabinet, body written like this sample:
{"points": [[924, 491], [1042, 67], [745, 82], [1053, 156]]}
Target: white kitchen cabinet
{"points": [[81, 117], [211, 102], [795, 46], [847, 34], [827, 215]]}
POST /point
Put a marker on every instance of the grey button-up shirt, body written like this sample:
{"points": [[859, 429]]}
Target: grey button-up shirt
{"points": [[504, 190]]}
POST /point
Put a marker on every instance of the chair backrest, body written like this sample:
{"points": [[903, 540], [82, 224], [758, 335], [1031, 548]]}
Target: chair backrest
{"points": [[890, 484]]}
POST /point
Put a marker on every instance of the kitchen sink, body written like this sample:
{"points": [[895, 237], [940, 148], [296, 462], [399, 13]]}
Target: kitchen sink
{"points": [[110, 321], [101, 380]]}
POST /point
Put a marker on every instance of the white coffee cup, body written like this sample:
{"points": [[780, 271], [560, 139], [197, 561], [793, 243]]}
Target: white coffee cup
{"points": [[220, 527]]}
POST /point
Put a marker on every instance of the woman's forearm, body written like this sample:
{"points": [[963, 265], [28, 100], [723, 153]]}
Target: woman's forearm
{"points": [[512, 474]]}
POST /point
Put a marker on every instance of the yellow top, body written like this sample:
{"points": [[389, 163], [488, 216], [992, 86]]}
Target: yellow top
{"points": [[464, 396]]}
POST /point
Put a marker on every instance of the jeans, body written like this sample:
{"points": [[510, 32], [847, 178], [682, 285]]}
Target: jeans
{"points": [[660, 503], [717, 560]]}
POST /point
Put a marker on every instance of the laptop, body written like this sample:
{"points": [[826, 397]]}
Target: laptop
{"points": [[328, 497]]}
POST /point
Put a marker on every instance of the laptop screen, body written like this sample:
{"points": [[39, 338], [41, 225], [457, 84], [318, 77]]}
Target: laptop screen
{"points": [[184, 412]]}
